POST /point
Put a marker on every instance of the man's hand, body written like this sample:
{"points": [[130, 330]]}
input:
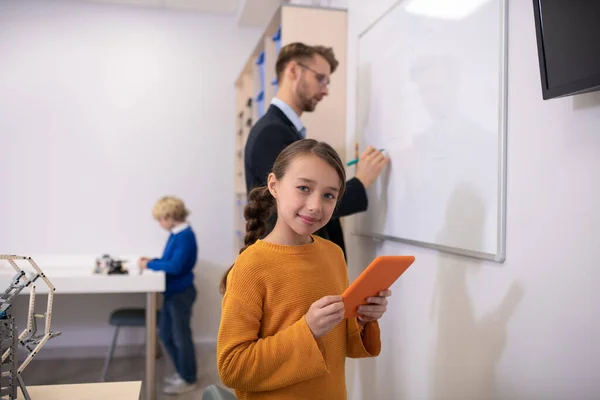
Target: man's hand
{"points": [[370, 164]]}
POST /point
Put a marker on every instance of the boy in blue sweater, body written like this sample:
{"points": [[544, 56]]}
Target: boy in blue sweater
{"points": [[178, 261]]}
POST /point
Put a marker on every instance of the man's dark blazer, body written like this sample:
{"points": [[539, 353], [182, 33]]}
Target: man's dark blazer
{"points": [[268, 137]]}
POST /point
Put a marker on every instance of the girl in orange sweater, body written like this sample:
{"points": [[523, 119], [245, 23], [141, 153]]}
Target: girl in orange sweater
{"points": [[282, 333]]}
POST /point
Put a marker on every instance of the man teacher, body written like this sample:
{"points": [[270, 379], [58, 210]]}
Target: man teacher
{"points": [[303, 74]]}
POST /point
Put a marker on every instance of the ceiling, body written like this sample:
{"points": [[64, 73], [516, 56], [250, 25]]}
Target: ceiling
{"points": [[218, 6], [249, 13]]}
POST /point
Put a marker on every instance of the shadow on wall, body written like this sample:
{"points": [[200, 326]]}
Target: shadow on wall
{"points": [[468, 349], [207, 309], [362, 373], [586, 100]]}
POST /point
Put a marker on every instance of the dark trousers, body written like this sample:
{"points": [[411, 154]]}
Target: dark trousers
{"points": [[176, 334]]}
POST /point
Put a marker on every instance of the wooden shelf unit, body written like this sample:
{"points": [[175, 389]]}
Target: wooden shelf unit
{"points": [[290, 23]]}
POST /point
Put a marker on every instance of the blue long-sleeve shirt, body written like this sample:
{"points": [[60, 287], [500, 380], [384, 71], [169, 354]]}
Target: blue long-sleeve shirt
{"points": [[178, 260]]}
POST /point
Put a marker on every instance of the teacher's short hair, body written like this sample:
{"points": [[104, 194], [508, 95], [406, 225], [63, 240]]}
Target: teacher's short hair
{"points": [[298, 51]]}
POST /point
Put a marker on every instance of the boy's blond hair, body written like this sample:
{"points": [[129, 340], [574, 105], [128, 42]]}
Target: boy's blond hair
{"points": [[170, 206]]}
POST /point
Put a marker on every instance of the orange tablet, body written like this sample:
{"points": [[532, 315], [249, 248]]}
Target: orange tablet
{"points": [[379, 275]]}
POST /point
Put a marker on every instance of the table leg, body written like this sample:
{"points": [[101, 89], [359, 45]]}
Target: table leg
{"points": [[151, 346]]}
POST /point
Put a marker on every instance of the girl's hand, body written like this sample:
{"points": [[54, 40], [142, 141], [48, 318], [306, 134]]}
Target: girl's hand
{"points": [[375, 309], [324, 314]]}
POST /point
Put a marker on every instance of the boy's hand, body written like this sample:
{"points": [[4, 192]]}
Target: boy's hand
{"points": [[143, 262], [375, 309], [324, 314]]}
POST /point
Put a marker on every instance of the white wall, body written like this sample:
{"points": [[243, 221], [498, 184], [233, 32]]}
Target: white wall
{"points": [[103, 109], [458, 328], [321, 3]]}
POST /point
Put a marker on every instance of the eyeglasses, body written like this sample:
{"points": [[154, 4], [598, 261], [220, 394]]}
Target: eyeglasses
{"points": [[322, 79]]}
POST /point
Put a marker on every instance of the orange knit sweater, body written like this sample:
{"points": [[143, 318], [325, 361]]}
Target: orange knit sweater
{"points": [[265, 349]]}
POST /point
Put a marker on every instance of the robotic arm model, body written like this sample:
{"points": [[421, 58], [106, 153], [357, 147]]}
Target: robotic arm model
{"points": [[29, 338]]}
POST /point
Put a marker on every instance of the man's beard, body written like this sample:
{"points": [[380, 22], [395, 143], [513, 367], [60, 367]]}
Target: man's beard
{"points": [[307, 104]]}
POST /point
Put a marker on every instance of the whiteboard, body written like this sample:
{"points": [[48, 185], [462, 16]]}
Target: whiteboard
{"points": [[431, 91]]}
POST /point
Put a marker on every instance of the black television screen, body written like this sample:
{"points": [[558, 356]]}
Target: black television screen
{"points": [[568, 39]]}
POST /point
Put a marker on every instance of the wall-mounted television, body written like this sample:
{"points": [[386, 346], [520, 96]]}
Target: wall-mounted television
{"points": [[568, 41]]}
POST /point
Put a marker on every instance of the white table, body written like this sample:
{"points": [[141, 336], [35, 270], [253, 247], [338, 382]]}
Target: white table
{"points": [[74, 275], [85, 391]]}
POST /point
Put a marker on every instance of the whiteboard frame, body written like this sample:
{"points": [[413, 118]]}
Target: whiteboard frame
{"points": [[500, 255]]}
